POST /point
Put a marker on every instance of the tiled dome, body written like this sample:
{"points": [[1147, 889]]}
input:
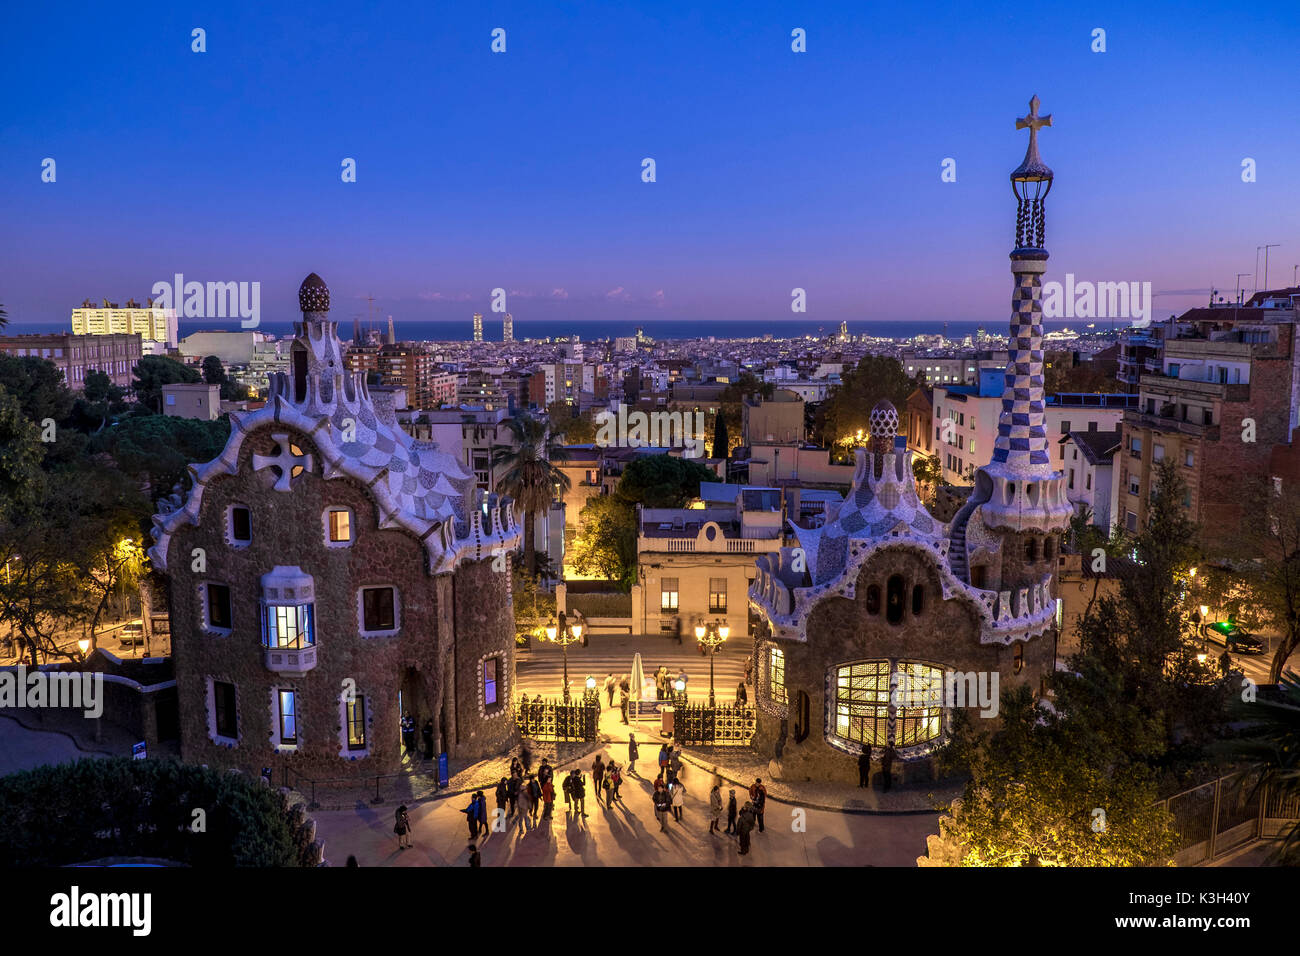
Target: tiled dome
{"points": [[313, 294]]}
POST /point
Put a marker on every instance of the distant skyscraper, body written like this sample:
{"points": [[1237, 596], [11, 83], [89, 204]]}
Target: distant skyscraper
{"points": [[392, 334], [508, 329], [478, 326], [356, 330], [844, 331]]}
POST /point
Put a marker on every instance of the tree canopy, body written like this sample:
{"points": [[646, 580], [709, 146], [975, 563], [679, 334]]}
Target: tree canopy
{"points": [[848, 407], [662, 481], [152, 372]]}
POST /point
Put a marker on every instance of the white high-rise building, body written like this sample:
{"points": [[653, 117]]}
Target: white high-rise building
{"points": [[151, 323], [508, 329], [478, 326]]}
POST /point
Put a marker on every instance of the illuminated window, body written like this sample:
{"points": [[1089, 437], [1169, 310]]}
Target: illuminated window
{"points": [[338, 523], [288, 714], [289, 626], [717, 595], [355, 710], [776, 674], [862, 703], [491, 683], [668, 594], [920, 703]]}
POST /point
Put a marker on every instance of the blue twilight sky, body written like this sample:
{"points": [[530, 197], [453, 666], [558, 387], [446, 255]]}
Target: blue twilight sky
{"points": [[522, 170]]}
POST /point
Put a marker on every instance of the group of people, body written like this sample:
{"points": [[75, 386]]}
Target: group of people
{"points": [[887, 757], [408, 736]]}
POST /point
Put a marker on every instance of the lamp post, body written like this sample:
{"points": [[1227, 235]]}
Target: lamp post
{"points": [[679, 692], [712, 635], [564, 635], [590, 696]]}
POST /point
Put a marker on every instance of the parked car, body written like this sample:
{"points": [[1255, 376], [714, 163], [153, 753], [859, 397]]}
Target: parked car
{"points": [[1235, 638]]}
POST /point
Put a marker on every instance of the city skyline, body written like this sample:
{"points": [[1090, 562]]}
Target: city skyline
{"points": [[781, 170]]}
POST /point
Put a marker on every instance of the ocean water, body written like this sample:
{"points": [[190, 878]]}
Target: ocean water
{"points": [[421, 330]]}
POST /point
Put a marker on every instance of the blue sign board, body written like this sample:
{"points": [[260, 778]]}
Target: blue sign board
{"points": [[138, 751], [443, 777]]}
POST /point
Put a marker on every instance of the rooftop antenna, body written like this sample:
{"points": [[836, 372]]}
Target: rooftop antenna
{"points": [[1239, 275], [1271, 245]]}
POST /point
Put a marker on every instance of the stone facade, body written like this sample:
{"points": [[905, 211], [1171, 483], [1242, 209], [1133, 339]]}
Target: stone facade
{"points": [[257, 523]]}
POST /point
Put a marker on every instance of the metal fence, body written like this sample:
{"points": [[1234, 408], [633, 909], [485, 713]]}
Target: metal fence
{"points": [[725, 725], [552, 719], [1227, 813]]}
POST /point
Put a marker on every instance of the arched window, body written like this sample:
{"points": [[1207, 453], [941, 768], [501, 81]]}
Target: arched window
{"points": [[1031, 549], [862, 697], [918, 598], [873, 599], [894, 599]]}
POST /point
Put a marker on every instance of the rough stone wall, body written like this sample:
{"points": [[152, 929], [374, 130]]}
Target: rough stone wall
{"points": [[840, 631], [288, 529], [484, 627]]}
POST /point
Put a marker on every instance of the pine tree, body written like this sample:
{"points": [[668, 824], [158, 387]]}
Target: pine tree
{"points": [[720, 446]]}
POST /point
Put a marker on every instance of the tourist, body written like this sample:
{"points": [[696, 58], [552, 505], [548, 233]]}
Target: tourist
{"points": [[615, 779], [525, 757], [623, 701], [579, 788], [758, 796], [567, 786], [745, 826], [610, 684], [525, 819], [402, 827], [534, 796], [674, 764], [516, 767], [598, 775], [427, 734], [663, 760], [864, 767], [715, 809], [632, 752], [503, 794], [887, 769], [548, 797], [731, 814], [471, 816], [474, 858], [408, 733], [482, 813], [749, 669], [742, 695], [625, 683], [679, 799], [662, 804], [512, 792], [608, 785], [545, 772]]}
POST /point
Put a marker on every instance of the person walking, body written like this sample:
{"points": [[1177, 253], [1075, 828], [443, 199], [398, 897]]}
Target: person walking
{"points": [[864, 767], [534, 796], [482, 813], [526, 758], [548, 797], [758, 797], [663, 761], [633, 751], [598, 776], [887, 769], [545, 772], [715, 809], [745, 826], [474, 858], [524, 822], [677, 630], [679, 799], [623, 701], [567, 786], [615, 780], [503, 795], [731, 814], [662, 805], [610, 685], [402, 827], [674, 764], [742, 695], [427, 735], [749, 669]]}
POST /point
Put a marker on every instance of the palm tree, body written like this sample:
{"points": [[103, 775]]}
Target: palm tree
{"points": [[1272, 742], [529, 475]]}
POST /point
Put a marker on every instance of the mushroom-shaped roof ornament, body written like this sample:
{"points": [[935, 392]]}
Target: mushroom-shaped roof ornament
{"points": [[313, 294], [1031, 181], [884, 427]]}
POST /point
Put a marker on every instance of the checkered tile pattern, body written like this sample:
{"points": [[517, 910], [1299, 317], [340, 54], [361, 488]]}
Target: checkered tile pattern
{"points": [[1022, 426]]}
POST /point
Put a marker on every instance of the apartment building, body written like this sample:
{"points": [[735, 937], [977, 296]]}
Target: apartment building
{"points": [[74, 355]]}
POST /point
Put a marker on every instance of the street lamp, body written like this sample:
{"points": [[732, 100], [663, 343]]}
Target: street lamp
{"points": [[711, 636], [679, 686], [83, 645], [564, 635], [590, 696]]}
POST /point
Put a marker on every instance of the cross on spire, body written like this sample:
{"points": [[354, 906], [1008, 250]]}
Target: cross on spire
{"points": [[1034, 122]]}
